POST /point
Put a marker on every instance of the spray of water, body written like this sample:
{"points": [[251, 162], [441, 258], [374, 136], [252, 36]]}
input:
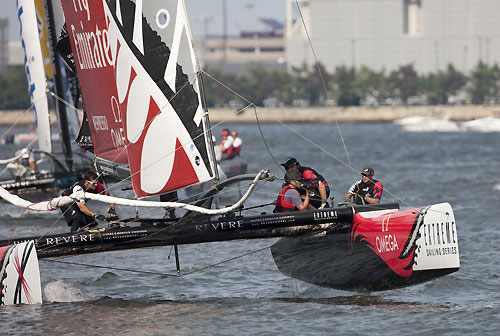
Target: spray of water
{"points": [[61, 291]]}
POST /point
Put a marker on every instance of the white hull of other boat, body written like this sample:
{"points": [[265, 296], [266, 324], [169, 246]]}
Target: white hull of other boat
{"points": [[428, 124], [483, 125]]}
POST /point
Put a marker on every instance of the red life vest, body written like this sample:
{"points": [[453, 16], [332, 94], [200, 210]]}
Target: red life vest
{"points": [[236, 150], [230, 152], [281, 204]]}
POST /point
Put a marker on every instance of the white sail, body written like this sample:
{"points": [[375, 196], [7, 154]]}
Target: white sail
{"points": [[35, 71]]}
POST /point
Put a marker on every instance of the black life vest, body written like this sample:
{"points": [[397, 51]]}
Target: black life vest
{"points": [[281, 204], [99, 189], [363, 190], [69, 191]]}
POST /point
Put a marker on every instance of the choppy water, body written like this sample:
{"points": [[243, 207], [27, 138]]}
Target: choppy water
{"points": [[249, 295]]}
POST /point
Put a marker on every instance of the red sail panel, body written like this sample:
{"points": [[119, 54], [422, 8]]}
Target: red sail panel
{"points": [[95, 59]]}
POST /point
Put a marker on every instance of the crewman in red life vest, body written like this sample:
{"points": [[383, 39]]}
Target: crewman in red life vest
{"points": [[237, 143], [289, 198], [315, 182], [226, 145]]}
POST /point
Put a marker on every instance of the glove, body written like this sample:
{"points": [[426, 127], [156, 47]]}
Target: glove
{"points": [[112, 212], [100, 217], [322, 206]]}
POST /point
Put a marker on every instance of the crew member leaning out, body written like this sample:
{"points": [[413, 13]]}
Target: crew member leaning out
{"points": [[289, 197]]}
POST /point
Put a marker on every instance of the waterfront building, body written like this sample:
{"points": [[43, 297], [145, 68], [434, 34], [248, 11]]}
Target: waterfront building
{"points": [[385, 34]]}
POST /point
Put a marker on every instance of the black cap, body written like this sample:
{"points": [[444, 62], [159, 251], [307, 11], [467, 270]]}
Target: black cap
{"points": [[292, 175], [367, 172], [291, 162]]}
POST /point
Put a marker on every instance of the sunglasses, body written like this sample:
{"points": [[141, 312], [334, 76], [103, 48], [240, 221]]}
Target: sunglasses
{"points": [[93, 183]]}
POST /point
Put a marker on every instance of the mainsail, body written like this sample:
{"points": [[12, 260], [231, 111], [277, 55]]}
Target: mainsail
{"points": [[139, 79], [34, 63]]}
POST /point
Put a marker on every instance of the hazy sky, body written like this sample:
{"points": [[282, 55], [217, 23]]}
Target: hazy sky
{"points": [[242, 15]]}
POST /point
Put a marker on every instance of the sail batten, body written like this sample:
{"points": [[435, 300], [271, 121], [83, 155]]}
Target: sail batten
{"points": [[132, 105]]}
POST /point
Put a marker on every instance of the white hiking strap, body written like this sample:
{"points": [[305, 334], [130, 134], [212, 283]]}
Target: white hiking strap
{"points": [[57, 202]]}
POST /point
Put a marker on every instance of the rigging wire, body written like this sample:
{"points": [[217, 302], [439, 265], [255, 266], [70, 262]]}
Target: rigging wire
{"points": [[194, 78], [18, 120], [264, 140], [300, 135], [121, 151], [322, 79], [110, 268], [349, 165], [158, 273]]}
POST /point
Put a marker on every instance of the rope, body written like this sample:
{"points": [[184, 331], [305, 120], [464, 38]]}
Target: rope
{"points": [[19, 119], [302, 136], [322, 79], [110, 268], [265, 142], [228, 260], [158, 273], [189, 207], [68, 200]]}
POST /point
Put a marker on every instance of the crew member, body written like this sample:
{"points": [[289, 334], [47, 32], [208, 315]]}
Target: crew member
{"points": [[25, 163], [226, 145], [367, 190], [78, 215], [237, 143], [169, 197], [312, 180], [289, 198]]}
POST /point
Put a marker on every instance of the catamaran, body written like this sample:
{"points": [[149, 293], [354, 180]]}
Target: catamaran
{"points": [[48, 81], [144, 100]]}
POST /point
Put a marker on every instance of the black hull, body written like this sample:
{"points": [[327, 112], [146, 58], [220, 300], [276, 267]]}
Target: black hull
{"points": [[43, 183], [60, 177], [194, 230], [324, 255], [329, 261]]}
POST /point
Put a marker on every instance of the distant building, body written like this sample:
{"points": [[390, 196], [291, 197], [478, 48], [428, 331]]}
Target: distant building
{"points": [[236, 54], [385, 34], [4, 60], [16, 53]]}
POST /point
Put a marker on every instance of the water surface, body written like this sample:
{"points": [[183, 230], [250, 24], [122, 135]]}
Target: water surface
{"points": [[249, 295]]}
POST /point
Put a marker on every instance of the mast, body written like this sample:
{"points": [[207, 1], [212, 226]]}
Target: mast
{"points": [[63, 118], [208, 126]]}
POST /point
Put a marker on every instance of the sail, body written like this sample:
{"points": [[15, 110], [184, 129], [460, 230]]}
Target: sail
{"points": [[34, 63], [139, 81], [41, 20]]}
